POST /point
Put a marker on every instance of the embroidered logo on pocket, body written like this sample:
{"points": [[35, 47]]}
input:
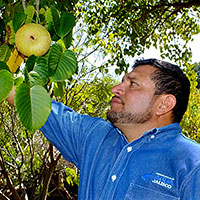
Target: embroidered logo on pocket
{"points": [[159, 179]]}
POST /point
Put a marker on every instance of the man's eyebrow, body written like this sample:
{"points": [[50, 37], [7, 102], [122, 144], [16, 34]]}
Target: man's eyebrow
{"points": [[128, 77], [131, 77]]}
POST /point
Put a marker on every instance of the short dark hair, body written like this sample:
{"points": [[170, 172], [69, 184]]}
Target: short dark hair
{"points": [[169, 79]]}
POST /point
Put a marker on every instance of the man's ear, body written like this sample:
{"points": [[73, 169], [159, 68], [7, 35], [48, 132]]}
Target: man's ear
{"points": [[166, 104]]}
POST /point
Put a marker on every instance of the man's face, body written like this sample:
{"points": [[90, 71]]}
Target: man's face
{"points": [[134, 98]]}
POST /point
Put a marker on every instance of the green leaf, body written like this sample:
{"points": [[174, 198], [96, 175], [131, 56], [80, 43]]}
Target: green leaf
{"points": [[2, 27], [30, 10], [56, 19], [61, 41], [63, 24], [69, 4], [49, 19], [6, 83], [42, 69], [3, 66], [35, 79], [66, 68], [55, 54], [30, 63], [68, 40], [67, 22], [18, 81], [59, 89], [1, 4], [4, 53], [64, 63], [33, 106], [18, 21], [11, 35], [26, 76]]}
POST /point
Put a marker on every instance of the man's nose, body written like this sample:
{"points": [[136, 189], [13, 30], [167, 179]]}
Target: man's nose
{"points": [[118, 90]]}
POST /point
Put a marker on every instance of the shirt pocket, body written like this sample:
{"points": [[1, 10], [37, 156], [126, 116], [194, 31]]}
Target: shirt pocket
{"points": [[137, 192]]}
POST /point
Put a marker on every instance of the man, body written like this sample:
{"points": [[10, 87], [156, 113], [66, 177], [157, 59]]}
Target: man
{"points": [[141, 154]]}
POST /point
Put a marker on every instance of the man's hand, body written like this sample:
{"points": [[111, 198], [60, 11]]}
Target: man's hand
{"points": [[10, 98]]}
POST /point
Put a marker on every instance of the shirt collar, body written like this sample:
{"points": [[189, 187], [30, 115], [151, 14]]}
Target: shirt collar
{"points": [[173, 128]]}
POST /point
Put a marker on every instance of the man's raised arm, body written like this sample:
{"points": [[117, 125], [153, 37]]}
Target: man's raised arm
{"points": [[10, 98]]}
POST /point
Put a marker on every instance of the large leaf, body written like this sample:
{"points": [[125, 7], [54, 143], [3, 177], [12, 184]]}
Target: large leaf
{"points": [[67, 66], [64, 23], [42, 69], [56, 19], [4, 52], [34, 79], [30, 10], [33, 106], [30, 62], [48, 16], [6, 84], [55, 55], [49, 20], [18, 21], [68, 40], [67, 22], [64, 63]]}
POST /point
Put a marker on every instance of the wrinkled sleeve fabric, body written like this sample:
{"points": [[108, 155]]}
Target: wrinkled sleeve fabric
{"points": [[191, 189], [67, 130]]}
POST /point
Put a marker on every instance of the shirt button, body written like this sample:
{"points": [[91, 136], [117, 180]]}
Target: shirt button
{"points": [[129, 149], [114, 177], [153, 136]]}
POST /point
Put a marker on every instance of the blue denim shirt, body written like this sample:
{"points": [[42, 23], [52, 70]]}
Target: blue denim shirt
{"points": [[161, 165]]}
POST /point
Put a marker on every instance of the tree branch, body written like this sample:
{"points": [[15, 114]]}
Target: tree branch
{"points": [[3, 196], [49, 173], [9, 182]]}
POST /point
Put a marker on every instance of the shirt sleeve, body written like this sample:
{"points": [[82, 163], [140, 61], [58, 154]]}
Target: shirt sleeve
{"points": [[67, 130], [191, 190]]}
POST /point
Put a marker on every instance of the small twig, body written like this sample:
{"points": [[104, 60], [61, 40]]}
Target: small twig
{"points": [[3, 196], [6, 176], [31, 151], [37, 3], [24, 4]]}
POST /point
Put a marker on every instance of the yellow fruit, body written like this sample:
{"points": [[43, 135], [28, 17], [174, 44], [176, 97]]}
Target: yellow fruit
{"points": [[32, 39]]}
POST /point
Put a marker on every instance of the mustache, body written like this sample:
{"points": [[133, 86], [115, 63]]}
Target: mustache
{"points": [[118, 97]]}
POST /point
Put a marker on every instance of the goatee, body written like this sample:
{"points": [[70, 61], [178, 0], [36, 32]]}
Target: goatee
{"points": [[129, 118], [126, 117]]}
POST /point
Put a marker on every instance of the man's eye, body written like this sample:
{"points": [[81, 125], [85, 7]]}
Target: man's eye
{"points": [[133, 83]]}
